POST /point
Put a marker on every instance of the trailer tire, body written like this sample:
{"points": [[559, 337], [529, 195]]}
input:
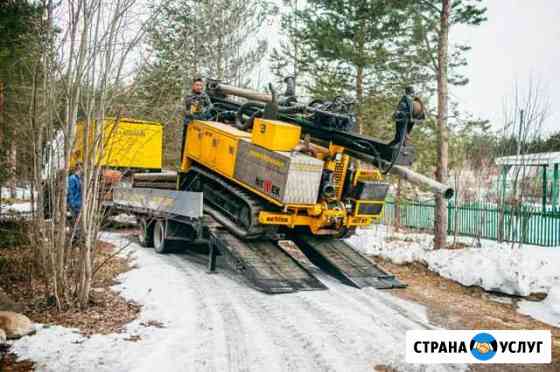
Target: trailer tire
{"points": [[146, 234], [160, 243]]}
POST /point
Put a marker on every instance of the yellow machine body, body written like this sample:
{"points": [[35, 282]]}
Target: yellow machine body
{"points": [[275, 135], [222, 148], [126, 144]]}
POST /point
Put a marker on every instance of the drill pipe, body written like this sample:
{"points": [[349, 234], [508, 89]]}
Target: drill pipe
{"points": [[239, 92], [423, 181], [264, 98]]}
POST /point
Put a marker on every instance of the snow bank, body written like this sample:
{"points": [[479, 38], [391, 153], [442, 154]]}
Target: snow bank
{"points": [[494, 267], [547, 311]]}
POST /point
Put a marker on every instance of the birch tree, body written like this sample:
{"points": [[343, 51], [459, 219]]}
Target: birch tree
{"points": [[441, 220], [82, 71], [525, 111]]}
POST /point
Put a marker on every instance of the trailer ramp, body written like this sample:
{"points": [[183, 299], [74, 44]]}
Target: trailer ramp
{"points": [[263, 264], [342, 261]]}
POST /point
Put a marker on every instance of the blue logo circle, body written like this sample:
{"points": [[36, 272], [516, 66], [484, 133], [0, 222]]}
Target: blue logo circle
{"points": [[483, 346]]}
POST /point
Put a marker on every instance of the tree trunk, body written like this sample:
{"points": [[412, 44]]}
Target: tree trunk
{"points": [[1, 128], [456, 210], [398, 205], [440, 230], [359, 97], [12, 166]]}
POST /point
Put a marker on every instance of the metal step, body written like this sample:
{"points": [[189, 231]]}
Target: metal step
{"points": [[342, 261], [265, 266]]}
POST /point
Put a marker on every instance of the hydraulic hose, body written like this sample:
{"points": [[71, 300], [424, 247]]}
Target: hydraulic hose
{"points": [[253, 108]]}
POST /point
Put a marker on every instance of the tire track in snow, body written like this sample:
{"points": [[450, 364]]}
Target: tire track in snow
{"points": [[359, 328], [275, 321], [230, 350], [179, 340], [370, 301], [279, 328], [311, 322]]}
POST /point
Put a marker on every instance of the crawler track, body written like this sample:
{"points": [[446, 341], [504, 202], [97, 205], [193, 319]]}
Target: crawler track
{"points": [[230, 201]]}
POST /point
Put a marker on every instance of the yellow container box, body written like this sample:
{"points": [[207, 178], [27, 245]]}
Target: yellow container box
{"points": [[127, 144], [275, 135]]}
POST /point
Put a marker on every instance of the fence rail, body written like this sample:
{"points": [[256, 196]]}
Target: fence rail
{"points": [[529, 225]]}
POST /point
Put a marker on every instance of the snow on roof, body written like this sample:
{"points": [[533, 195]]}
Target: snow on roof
{"points": [[544, 158]]}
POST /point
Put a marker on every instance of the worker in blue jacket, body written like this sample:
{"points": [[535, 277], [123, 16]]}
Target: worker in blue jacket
{"points": [[74, 196]]}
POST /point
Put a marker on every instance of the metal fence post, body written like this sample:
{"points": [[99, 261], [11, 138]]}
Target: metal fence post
{"points": [[544, 188], [555, 176], [449, 216]]}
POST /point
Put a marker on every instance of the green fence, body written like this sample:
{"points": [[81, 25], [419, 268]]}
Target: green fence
{"points": [[529, 225]]}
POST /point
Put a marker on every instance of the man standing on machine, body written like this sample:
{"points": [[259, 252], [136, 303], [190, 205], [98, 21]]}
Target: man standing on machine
{"points": [[197, 104]]}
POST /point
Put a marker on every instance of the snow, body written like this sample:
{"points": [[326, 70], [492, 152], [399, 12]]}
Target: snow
{"points": [[15, 208], [22, 193], [124, 219], [547, 311], [492, 266], [215, 322]]}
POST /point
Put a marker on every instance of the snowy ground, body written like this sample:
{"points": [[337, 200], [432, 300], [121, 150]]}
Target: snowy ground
{"points": [[547, 311], [20, 207], [22, 193], [214, 322], [15, 208], [488, 264]]}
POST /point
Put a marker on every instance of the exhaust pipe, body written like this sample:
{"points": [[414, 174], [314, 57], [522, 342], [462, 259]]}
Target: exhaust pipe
{"points": [[290, 86]]}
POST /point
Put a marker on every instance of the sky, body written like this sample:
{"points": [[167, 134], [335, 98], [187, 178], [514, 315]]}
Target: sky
{"points": [[519, 41]]}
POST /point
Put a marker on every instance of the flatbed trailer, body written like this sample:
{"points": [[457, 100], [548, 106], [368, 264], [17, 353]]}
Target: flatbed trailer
{"points": [[165, 216]]}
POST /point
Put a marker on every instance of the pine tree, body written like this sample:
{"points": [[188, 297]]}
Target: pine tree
{"points": [[285, 58], [196, 38], [344, 46], [18, 21], [432, 21], [213, 38]]}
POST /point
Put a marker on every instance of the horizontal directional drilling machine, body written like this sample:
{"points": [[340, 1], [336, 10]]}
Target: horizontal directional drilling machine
{"points": [[272, 169]]}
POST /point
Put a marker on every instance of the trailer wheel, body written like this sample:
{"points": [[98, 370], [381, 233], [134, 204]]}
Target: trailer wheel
{"points": [[146, 235], [160, 243]]}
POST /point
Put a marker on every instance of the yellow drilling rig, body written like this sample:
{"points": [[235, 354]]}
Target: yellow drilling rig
{"points": [[261, 169]]}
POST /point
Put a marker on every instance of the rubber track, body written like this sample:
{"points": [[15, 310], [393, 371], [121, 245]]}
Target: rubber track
{"points": [[255, 204]]}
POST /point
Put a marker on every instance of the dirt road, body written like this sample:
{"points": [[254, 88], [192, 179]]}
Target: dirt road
{"points": [[213, 322]]}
